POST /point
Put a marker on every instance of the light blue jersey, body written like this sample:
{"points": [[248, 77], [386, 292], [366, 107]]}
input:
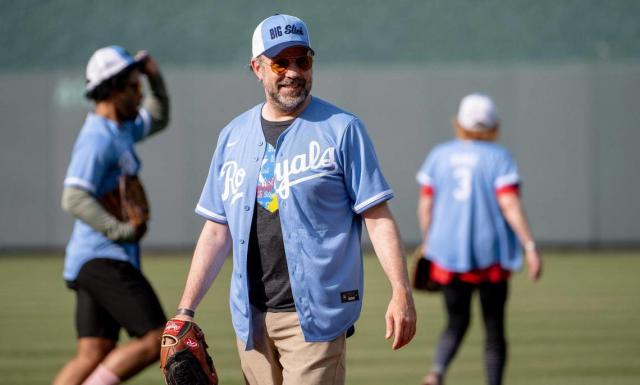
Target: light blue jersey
{"points": [[102, 152], [326, 174], [467, 228]]}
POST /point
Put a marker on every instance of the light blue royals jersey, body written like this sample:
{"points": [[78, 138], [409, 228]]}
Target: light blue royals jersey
{"points": [[103, 151], [468, 230], [326, 175]]}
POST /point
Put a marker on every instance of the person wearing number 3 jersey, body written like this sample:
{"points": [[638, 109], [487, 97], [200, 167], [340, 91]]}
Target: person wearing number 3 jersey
{"points": [[474, 230]]}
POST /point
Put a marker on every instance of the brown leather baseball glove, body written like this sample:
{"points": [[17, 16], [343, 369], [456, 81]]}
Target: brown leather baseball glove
{"points": [[128, 201], [183, 355]]}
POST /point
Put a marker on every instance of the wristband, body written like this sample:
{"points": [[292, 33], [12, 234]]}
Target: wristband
{"points": [[530, 246], [185, 311]]}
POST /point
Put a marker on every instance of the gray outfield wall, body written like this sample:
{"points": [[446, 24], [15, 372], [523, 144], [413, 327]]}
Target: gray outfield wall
{"points": [[573, 128]]}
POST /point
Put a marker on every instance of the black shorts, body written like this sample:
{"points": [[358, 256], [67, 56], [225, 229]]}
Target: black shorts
{"points": [[112, 294]]}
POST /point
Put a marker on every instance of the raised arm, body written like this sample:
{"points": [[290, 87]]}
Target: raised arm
{"points": [[513, 211], [211, 251], [401, 313], [157, 103]]}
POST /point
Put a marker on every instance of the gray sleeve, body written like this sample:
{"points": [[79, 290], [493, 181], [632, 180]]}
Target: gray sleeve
{"points": [[157, 104], [82, 205]]}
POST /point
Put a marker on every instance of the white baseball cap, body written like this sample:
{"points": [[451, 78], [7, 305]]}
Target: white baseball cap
{"points": [[106, 63], [278, 32], [477, 112]]}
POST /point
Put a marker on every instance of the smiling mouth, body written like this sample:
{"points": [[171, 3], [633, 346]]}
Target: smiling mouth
{"points": [[291, 85]]}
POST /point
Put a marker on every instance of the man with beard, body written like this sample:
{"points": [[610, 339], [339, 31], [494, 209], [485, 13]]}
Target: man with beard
{"points": [[102, 263], [291, 182]]}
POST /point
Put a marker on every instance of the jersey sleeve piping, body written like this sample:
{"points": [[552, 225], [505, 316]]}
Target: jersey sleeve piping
{"points": [[509, 189], [210, 215], [81, 183], [426, 191], [374, 200], [508, 179]]}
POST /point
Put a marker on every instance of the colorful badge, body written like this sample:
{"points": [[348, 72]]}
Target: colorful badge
{"points": [[266, 192]]}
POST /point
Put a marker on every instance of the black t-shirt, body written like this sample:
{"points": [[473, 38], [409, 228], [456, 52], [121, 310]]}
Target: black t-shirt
{"points": [[269, 286]]}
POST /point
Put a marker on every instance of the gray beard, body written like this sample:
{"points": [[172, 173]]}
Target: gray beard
{"points": [[288, 104]]}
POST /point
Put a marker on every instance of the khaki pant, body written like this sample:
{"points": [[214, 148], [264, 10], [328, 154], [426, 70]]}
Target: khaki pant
{"points": [[282, 357]]}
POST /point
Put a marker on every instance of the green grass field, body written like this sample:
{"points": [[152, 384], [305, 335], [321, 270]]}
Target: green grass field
{"points": [[580, 325]]}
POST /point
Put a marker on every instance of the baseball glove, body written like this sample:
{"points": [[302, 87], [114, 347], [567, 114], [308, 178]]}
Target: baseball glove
{"points": [[183, 355], [128, 201], [421, 277]]}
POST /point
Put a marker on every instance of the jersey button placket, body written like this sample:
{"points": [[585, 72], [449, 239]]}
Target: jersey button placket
{"points": [[260, 152], [281, 203]]}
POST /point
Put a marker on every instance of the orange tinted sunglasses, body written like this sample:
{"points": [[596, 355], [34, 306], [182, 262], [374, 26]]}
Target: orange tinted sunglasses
{"points": [[280, 65]]}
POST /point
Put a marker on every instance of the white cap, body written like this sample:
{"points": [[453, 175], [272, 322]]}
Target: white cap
{"points": [[105, 63], [477, 113], [278, 32]]}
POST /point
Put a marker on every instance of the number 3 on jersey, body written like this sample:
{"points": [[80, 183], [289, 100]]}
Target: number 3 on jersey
{"points": [[462, 176]]}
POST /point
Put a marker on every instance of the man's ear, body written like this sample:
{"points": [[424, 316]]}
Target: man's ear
{"points": [[256, 65]]}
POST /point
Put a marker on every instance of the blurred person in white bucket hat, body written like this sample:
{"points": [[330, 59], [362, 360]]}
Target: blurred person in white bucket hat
{"points": [[474, 231]]}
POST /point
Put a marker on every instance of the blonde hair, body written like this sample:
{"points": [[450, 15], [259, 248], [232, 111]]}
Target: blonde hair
{"points": [[482, 133]]}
